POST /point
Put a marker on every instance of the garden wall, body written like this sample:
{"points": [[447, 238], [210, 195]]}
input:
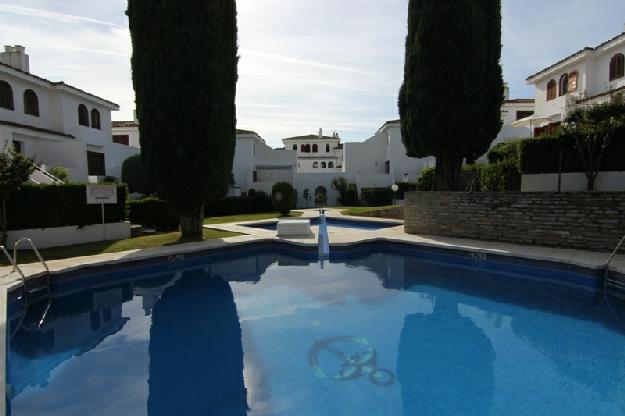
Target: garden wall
{"points": [[592, 221], [68, 236], [573, 182]]}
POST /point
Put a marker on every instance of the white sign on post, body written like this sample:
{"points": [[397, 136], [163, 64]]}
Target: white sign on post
{"points": [[102, 194]]}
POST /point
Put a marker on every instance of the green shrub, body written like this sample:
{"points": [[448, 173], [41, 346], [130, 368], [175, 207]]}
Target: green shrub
{"points": [[425, 181], [284, 197], [503, 151], [135, 176], [258, 203], [153, 213], [542, 154], [50, 206], [503, 176], [60, 173], [351, 196], [376, 197]]}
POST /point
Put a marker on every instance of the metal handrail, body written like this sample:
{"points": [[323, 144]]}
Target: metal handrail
{"points": [[32, 245], [45, 265], [606, 270]]}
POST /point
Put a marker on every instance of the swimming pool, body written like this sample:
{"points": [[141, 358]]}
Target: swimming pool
{"points": [[380, 329], [333, 222]]}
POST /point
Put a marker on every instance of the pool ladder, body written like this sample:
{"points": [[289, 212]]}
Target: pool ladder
{"points": [[607, 282], [28, 294]]}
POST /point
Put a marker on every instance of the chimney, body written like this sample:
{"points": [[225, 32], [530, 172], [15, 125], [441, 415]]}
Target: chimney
{"points": [[16, 57], [321, 133]]}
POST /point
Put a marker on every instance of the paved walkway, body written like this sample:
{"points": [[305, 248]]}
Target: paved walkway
{"points": [[338, 236]]}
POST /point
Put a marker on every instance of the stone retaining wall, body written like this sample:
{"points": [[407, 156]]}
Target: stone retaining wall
{"points": [[591, 221]]}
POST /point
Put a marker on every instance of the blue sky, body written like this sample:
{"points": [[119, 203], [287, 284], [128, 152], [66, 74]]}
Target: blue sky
{"points": [[305, 64]]}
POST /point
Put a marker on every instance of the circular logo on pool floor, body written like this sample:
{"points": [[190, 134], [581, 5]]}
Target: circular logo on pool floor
{"points": [[345, 358]]}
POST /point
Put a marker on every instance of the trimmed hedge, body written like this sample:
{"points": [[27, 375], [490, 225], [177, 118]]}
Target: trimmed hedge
{"points": [[153, 213], [284, 197], [376, 197], [425, 181], [503, 176], [542, 154], [503, 151], [51, 206], [351, 196], [258, 203]]}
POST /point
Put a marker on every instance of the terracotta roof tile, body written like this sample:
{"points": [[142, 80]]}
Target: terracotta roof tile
{"points": [[33, 128]]}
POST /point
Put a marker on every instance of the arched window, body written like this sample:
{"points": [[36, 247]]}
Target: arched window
{"points": [[323, 165], [617, 67], [327, 148], [330, 165], [303, 148], [6, 96], [552, 90], [31, 103], [95, 119], [315, 148], [83, 115], [573, 81], [294, 147], [307, 148], [316, 165], [564, 84]]}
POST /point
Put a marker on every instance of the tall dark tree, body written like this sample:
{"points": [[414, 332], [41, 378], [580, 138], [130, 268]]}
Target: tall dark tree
{"points": [[184, 67], [450, 101]]}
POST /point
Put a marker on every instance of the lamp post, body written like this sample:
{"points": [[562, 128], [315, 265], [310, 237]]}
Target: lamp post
{"points": [[394, 188]]}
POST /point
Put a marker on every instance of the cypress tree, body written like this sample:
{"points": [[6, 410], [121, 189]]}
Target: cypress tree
{"points": [[184, 67], [450, 101]]}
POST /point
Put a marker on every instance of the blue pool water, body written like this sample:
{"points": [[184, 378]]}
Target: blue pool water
{"points": [[269, 331], [333, 222]]}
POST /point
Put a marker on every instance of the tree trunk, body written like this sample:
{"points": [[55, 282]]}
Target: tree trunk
{"points": [[590, 183], [192, 222], [448, 173]]}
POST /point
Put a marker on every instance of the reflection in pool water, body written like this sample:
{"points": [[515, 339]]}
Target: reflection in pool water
{"points": [[234, 336]]}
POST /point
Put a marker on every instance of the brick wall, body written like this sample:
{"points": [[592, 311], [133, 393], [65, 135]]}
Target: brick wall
{"points": [[592, 221]]}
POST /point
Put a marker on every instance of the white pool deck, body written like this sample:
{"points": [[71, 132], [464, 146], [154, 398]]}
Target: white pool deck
{"points": [[338, 237]]}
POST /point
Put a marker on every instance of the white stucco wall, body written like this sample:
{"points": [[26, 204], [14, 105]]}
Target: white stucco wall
{"points": [[58, 112]]}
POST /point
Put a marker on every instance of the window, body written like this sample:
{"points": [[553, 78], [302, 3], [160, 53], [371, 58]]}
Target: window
{"points": [[330, 165], [122, 139], [316, 165], [315, 148], [83, 115], [552, 90], [18, 147], [6, 96], [31, 103], [387, 167], [295, 147], [617, 67], [95, 119], [564, 85], [523, 114], [95, 164], [327, 148], [573, 81], [323, 165], [254, 176]]}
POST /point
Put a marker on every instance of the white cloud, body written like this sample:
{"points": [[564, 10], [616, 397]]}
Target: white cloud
{"points": [[47, 14]]}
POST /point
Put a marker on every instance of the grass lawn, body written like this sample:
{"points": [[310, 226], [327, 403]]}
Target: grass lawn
{"points": [[247, 217], [361, 210], [149, 241]]}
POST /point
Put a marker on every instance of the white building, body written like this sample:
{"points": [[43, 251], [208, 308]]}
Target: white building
{"points": [[315, 154], [56, 123], [589, 75]]}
